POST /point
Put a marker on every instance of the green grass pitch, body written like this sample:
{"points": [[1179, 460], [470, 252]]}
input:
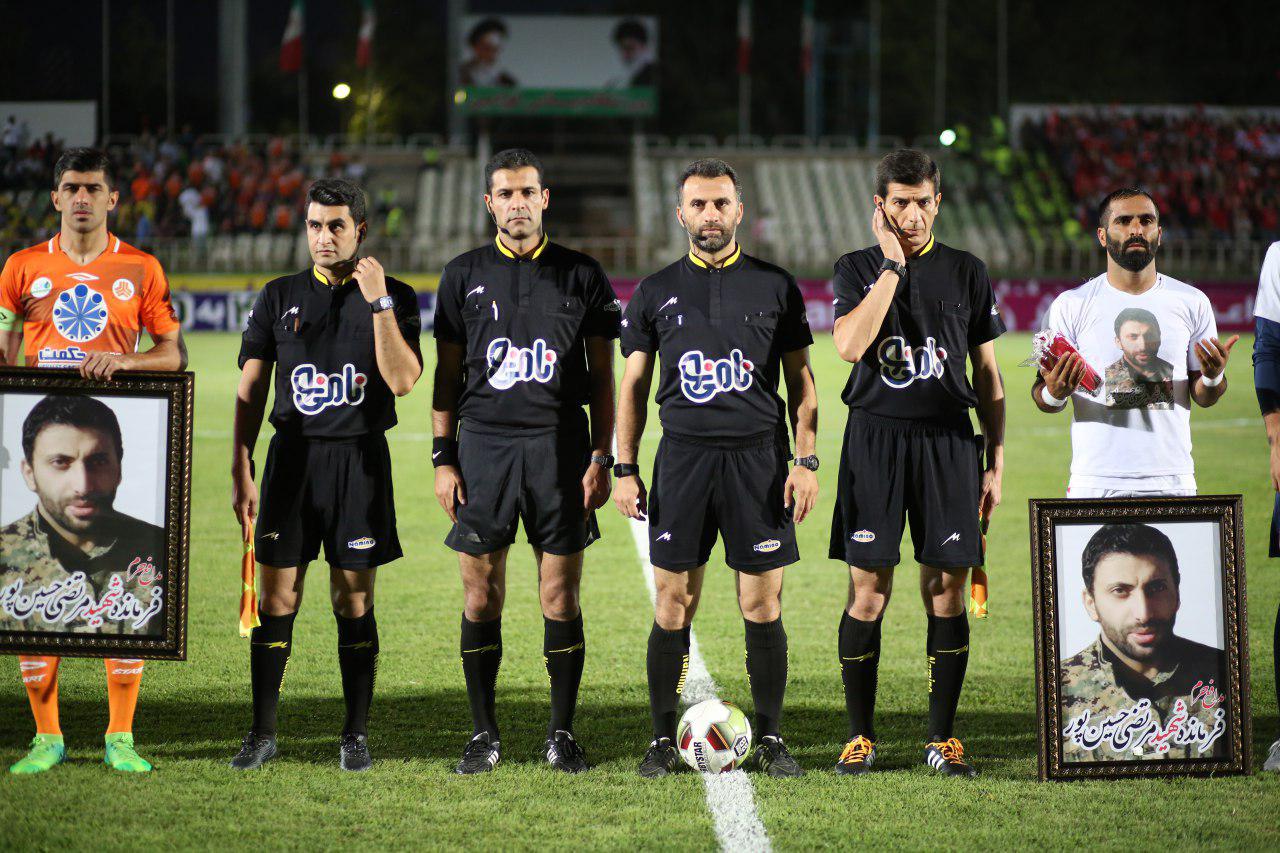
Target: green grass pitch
{"points": [[192, 715]]}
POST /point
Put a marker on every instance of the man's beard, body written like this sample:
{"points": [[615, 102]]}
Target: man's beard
{"points": [[57, 512], [712, 243], [1163, 629], [1132, 261]]}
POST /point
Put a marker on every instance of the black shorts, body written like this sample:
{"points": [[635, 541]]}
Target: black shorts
{"points": [[335, 492], [888, 466], [702, 489], [532, 479]]}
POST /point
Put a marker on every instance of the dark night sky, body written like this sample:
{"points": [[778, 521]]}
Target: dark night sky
{"points": [[1079, 51]]}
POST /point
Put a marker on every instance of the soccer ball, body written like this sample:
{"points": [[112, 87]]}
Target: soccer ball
{"points": [[714, 736]]}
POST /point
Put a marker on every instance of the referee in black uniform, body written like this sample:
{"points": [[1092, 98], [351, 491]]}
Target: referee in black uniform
{"points": [[524, 333], [344, 341], [907, 311], [722, 323]]}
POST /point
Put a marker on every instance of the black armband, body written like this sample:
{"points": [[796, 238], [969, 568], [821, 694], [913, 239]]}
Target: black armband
{"points": [[444, 451]]}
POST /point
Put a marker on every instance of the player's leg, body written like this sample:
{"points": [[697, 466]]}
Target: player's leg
{"points": [[1273, 757], [484, 586], [947, 653], [866, 530], [40, 678], [351, 593], [563, 652], [667, 661], [270, 645], [760, 601], [124, 678]]}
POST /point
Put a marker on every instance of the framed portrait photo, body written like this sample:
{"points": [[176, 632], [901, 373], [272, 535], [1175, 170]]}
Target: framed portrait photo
{"points": [[1142, 665], [95, 496]]}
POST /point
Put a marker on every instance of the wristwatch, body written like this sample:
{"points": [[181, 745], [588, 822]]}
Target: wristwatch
{"points": [[382, 303], [605, 461], [626, 469], [810, 462], [894, 267]]}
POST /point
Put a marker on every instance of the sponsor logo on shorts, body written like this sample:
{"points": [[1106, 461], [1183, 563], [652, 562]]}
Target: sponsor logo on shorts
{"points": [[40, 287], [59, 357], [28, 665], [767, 546], [123, 289], [954, 537], [901, 364], [510, 364], [272, 535], [364, 543], [664, 536], [120, 670], [862, 536], [702, 378], [313, 391]]}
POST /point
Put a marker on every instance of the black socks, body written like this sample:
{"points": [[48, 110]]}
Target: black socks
{"points": [[767, 673], [859, 668], [269, 647], [358, 661], [947, 651], [668, 665], [563, 652], [481, 657]]}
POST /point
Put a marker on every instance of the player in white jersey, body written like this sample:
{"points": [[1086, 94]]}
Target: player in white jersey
{"points": [[1266, 380], [1154, 342]]}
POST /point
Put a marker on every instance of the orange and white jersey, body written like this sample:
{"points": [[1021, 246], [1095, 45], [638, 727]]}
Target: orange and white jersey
{"points": [[67, 310]]}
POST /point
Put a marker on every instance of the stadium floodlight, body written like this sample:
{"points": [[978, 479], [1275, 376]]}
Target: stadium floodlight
{"points": [[947, 137], [341, 91]]}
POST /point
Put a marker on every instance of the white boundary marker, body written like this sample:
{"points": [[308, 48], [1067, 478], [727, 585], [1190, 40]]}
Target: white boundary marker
{"points": [[730, 796]]}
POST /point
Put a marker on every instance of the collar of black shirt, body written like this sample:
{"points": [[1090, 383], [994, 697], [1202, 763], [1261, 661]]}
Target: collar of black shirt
{"points": [[509, 255], [732, 261]]}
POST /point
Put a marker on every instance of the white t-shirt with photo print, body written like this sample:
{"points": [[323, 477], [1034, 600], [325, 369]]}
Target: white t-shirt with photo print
{"points": [[1135, 433]]}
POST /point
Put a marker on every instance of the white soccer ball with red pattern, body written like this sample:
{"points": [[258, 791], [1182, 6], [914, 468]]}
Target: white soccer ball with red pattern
{"points": [[714, 737]]}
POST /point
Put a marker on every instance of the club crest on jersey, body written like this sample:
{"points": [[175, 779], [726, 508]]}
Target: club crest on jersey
{"points": [[313, 391], [511, 364], [702, 378], [59, 357], [40, 287], [123, 289], [901, 364], [80, 314]]}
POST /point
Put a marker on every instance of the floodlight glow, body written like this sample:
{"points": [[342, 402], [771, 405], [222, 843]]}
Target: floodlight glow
{"points": [[341, 91], [947, 137]]}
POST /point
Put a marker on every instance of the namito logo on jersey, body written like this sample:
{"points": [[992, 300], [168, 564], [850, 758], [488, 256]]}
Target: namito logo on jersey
{"points": [[313, 391], [702, 378], [511, 364], [80, 314], [901, 364]]}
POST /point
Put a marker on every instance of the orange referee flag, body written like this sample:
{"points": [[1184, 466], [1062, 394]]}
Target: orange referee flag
{"points": [[248, 591], [978, 584]]}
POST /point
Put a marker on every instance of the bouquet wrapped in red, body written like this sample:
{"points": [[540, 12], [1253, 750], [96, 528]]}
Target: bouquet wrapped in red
{"points": [[1047, 347]]}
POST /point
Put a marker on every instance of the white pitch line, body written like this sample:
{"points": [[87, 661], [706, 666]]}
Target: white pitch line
{"points": [[730, 796]]}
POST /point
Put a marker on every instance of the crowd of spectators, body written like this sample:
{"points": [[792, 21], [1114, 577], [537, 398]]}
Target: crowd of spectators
{"points": [[174, 186], [1213, 176]]}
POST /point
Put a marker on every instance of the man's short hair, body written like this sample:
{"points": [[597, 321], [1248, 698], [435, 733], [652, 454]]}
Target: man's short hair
{"points": [[908, 167], [1138, 315], [708, 167], [512, 158], [338, 192], [631, 29], [84, 160], [1104, 209], [70, 410], [1140, 540], [482, 29]]}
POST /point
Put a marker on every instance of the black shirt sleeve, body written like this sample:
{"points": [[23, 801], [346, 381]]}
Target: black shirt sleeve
{"points": [[408, 317], [793, 328], [638, 334], [449, 325], [258, 339], [853, 275], [604, 311], [985, 322]]}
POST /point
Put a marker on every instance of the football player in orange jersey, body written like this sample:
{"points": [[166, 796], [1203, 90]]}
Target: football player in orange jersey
{"points": [[81, 300]]}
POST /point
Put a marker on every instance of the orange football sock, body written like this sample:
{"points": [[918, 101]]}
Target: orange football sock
{"points": [[40, 677], [124, 677]]}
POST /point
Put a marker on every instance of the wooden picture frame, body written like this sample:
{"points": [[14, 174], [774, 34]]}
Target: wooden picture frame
{"points": [[1162, 688], [94, 518]]}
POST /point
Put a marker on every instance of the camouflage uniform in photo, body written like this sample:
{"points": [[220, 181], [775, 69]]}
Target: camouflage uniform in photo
{"points": [[1130, 389], [34, 556], [1095, 680]]}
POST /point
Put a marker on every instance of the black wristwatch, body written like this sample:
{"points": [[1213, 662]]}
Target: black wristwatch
{"points": [[810, 462], [894, 267], [605, 461], [626, 469], [382, 303]]}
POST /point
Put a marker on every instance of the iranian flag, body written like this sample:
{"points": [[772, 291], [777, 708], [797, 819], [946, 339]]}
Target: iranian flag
{"points": [[291, 44], [364, 44]]}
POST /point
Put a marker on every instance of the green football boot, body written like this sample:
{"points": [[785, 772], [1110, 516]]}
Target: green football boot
{"points": [[122, 756], [47, 751]]}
